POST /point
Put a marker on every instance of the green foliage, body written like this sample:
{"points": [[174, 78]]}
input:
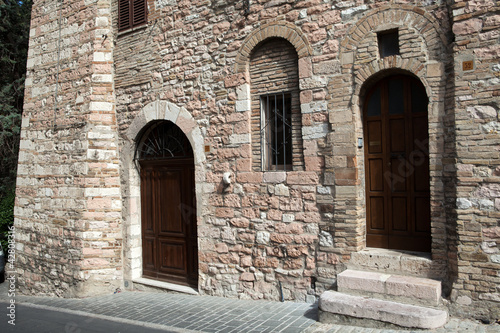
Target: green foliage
{"points": [[6, 215], [14, 36]]}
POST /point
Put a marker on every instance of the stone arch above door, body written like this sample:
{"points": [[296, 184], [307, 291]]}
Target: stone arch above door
{"points": [[423, 23], [428, 62], [163, 110], [362, 65]]}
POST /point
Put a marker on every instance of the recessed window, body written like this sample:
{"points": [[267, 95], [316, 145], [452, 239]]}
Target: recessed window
{"points": [[388, 43], [276, 131], [131, 13]]}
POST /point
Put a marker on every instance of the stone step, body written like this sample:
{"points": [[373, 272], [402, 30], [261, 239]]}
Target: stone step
{"points": [[407, 289], [341, 308], [407, 263]]}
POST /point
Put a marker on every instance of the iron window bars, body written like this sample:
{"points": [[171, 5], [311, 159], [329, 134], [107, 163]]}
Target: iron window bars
{"points": [[276, 131]]}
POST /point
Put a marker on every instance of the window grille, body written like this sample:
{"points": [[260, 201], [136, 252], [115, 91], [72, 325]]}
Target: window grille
{"points": [[276, 131], [131, 13]]}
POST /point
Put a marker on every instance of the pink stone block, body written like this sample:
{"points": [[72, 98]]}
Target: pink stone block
{"points": [[275, 177], [414, 287], [249, 177], [359, 280], [302, 178]]}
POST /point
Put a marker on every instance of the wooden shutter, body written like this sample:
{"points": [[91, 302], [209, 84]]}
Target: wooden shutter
{"points": [[140, 11], [123, 15], [131, 13]]}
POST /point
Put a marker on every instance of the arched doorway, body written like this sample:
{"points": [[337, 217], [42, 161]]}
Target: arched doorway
{"points": [[397, 165], [168, 205]]}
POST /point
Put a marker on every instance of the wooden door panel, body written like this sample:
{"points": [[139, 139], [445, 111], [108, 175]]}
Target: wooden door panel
{"points": [[420, 132], [375, 174], [147, 202], [399, 214], [421, 174], [170, 206], [148, 253], [397, 135], [374, 137], [422, 214], [376, 213], [173, 256], [398, 174]]}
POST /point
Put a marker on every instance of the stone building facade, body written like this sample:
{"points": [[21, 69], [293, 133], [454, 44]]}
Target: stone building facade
{"points": [[266, 226]]}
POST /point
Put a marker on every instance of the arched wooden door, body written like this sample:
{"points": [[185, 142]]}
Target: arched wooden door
{"points": [[168, 205], [397, 165]]}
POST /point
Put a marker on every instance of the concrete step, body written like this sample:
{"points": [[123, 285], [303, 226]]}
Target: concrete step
{"points": [[407, 289], [341, 308]]}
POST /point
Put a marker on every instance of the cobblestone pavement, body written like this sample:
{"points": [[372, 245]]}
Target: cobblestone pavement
{"points": [[188, 313]]}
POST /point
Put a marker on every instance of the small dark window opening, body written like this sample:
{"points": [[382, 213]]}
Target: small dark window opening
{"points": [[131, 13], [276, 131], [388, 43]]}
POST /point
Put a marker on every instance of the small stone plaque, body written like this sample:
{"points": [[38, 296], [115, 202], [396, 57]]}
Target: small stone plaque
{"points": [[468, 65]]}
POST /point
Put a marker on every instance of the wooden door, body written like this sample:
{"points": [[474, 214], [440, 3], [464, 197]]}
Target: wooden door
{"points": [[169, 221], [397, 165], [168, 205]]}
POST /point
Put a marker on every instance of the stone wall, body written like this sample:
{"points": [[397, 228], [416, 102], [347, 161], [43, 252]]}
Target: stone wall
{"points": [[476, 285], [294, 227], [190, 65], [196, 55], [68, 204]]}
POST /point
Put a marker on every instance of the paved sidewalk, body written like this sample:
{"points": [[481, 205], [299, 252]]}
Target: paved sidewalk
{"points": [[188, 313]]}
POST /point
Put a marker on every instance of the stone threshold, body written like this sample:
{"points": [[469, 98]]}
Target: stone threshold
{"points": [[166, 285], [395, 253]]}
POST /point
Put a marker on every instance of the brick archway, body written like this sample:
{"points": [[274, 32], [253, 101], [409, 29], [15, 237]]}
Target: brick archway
{"points": [[280, 29], [422, 22], [363, 65]]}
